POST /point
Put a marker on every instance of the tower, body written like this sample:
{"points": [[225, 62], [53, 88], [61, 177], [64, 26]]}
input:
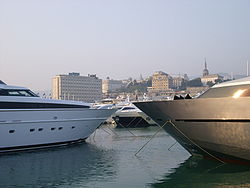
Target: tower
{"points": [[205, 71]]}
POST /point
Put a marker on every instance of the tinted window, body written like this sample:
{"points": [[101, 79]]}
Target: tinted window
{"points": [[3, 92], [25, 93], [229, 91], [128, 108]]}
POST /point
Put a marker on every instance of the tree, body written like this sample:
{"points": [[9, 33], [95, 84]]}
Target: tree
{"points": [[135, 87], [194, 83], [218, 81], [210, 83]]}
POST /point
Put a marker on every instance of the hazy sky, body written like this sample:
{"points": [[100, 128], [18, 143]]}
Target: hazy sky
{"points": [[120, 38]]}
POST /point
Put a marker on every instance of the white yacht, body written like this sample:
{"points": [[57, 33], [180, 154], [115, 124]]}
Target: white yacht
{"points": [[28, 121], [130, 116]]}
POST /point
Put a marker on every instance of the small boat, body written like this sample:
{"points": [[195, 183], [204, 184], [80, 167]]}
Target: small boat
{"points": [[28, 121], [130, 116], [215, 125]]}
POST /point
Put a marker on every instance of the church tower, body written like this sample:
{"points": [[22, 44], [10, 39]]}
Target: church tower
{"points": [[205, 71]]}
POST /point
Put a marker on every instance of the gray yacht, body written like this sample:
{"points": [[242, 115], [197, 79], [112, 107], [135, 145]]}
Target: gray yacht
{"points": [[214, 125]]}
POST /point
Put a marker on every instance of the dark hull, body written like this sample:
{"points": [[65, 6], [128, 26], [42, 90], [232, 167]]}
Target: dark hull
{"points": [[201, 173], [130, 122], [213, 128]]}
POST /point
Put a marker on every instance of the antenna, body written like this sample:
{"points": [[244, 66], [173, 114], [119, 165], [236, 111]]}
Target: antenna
{"points": [[247, 68]]}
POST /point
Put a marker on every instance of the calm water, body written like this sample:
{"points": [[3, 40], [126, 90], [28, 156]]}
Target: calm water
{"points": [[108, 159]]}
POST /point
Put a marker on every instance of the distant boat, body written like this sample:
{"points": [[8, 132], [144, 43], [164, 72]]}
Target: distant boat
{"points": [[215, 125], [28, 121], [130, 116]]}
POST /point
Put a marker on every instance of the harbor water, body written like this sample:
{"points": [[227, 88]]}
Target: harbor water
{"points": [[107, 159]]}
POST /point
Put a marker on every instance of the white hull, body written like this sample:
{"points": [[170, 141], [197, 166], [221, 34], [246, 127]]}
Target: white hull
{"points": [[23, 129]]}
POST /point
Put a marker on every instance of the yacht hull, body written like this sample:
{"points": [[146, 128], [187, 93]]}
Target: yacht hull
{"points": [[34, 128], [217, 128], [130, 122], [131, 119]]}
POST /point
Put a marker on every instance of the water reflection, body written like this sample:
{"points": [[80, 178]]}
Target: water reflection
{"points": [[79, 164], [204, 173]]}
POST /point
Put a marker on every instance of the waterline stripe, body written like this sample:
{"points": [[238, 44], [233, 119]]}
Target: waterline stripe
{"points": [[212, 120]]}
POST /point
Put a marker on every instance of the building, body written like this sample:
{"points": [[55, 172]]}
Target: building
{"points": [[178, 82], [76, 87], [212, 78], [110, 85], [161, 82], [194, 91], [186, 77]]}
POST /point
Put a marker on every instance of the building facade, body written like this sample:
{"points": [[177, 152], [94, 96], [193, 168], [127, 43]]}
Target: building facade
{"points": [[161, 82], [110, 85], [211, 78], [195, 91], [178, 82], [76, 87]]}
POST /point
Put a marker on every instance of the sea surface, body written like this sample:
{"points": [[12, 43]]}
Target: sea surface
{"points": [[108, 159]]}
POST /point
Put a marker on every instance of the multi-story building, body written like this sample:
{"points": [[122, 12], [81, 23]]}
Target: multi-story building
{"points": [[110, 85], [161, 82], [76, 87]]}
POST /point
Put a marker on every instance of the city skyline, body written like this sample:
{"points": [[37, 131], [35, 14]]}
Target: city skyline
{"points": [[120, 39]]}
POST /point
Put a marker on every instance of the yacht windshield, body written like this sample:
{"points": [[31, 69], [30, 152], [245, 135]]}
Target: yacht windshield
{"points": [[229, 91], [11, 92]]}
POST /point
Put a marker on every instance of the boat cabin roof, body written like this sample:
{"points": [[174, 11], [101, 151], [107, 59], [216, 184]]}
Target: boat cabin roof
{"points": [[242, 81], [4, 86], [236, 88]]}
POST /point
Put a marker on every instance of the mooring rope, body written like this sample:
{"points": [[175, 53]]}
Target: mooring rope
{"points": [[169, 121], [131, 121], [151, 138], [126, 127], [138, 122], [105, 130], [172, 145]]}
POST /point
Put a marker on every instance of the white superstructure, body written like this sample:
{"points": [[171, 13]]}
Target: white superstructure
{"points": [[242, 81], [131, 116]]}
